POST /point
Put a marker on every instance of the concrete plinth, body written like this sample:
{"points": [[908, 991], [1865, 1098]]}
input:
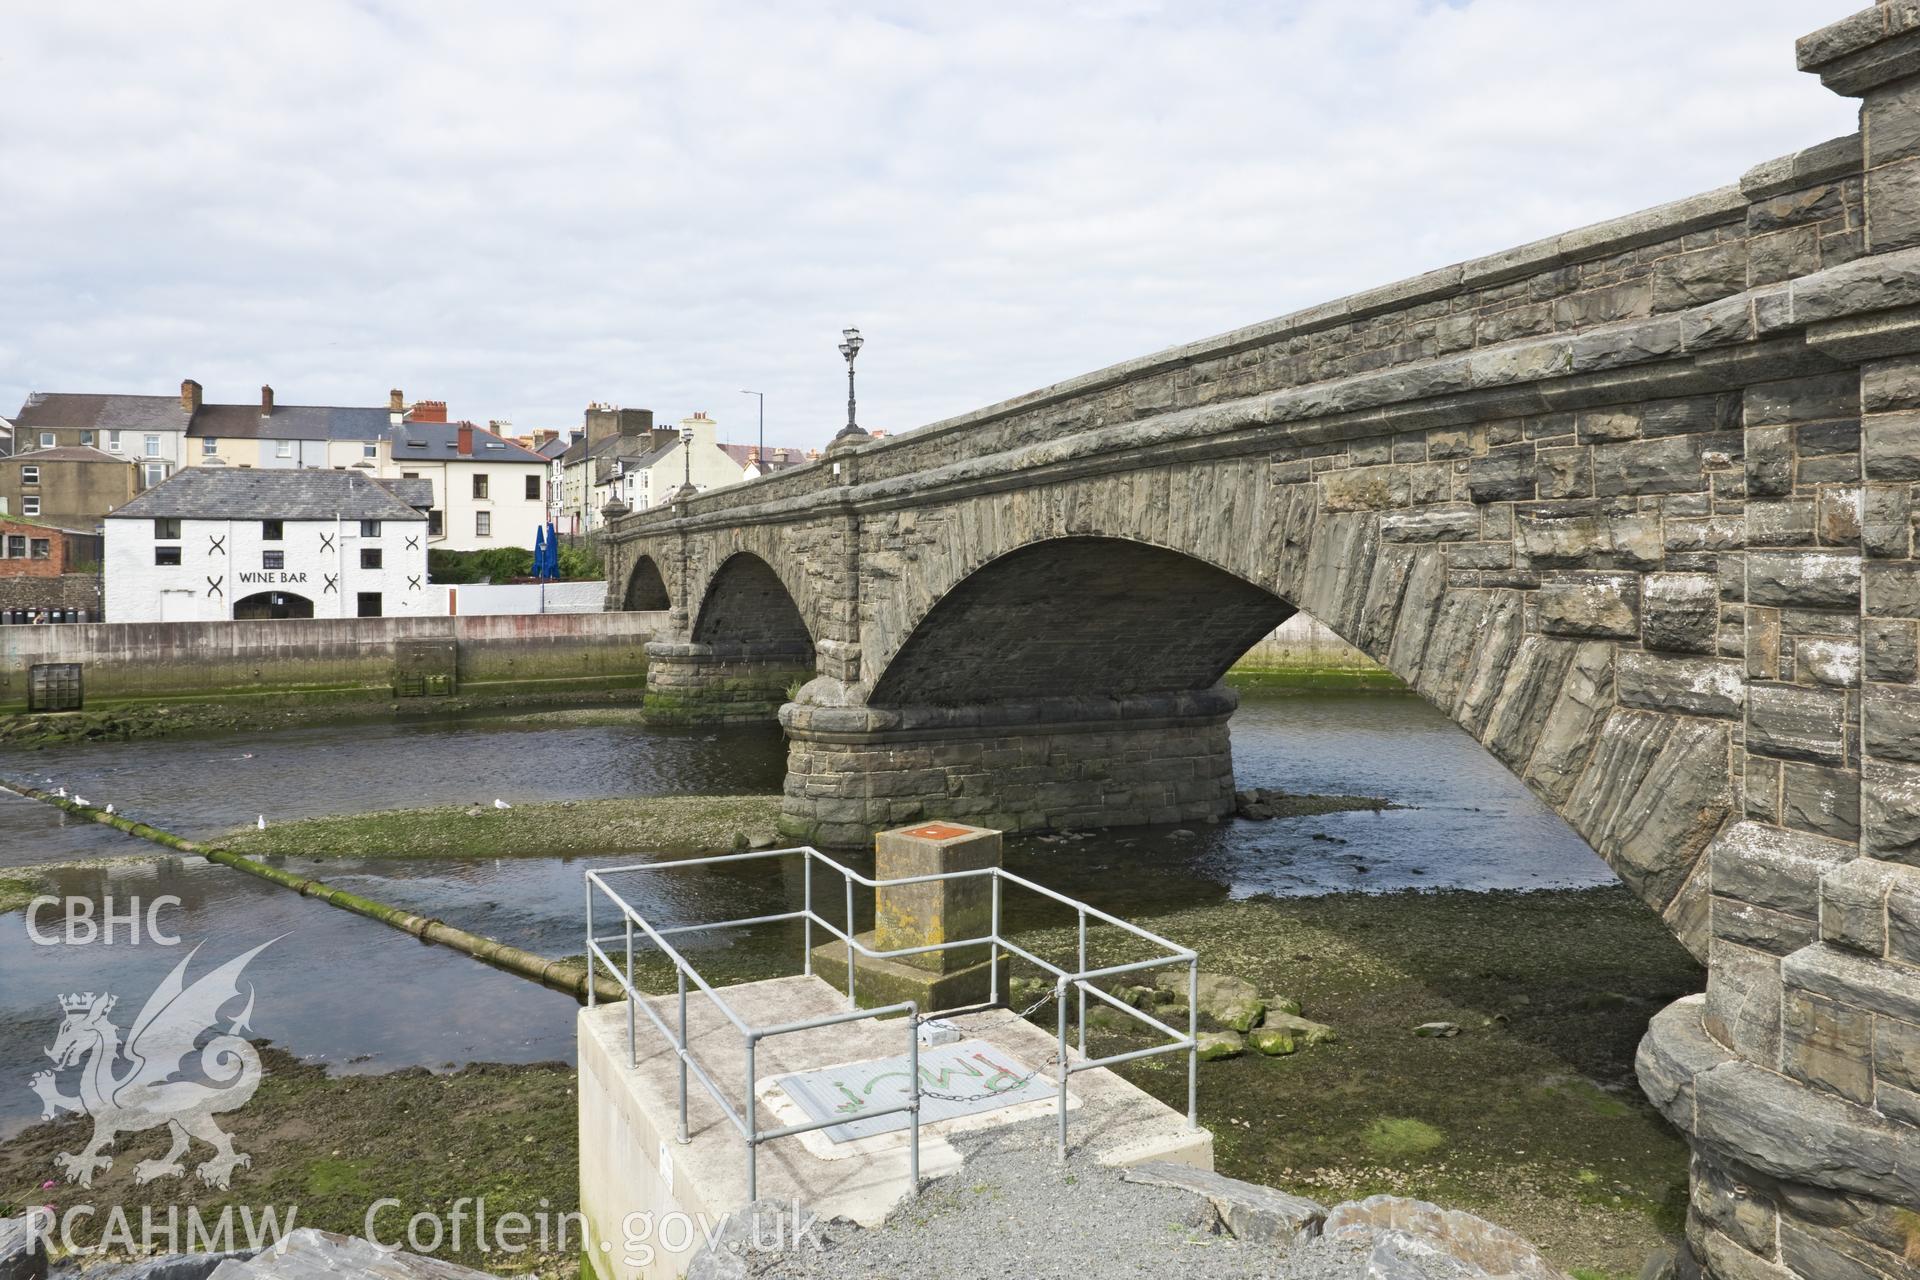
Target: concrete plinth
{"points": [[877, 982], [634, 1172]]}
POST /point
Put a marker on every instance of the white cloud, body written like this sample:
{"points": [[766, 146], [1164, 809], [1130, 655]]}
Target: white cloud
{"points": [[520, 208]]}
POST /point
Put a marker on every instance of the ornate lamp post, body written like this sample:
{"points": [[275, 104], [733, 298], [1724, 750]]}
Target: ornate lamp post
{"points": [[850, 344], [686, 456]]}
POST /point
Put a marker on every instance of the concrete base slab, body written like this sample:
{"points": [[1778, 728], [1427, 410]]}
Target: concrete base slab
{"points": [[649, 1199]]}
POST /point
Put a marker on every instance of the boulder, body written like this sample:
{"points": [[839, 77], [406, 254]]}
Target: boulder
{"points": [[308, 1254], [21, 1254], [1283, 1004], [1247, 1209], [1475, 1242], [1273, 1042], [1305, 1030], [1437, 1030], [1230, 1001], [1398, 1255], [1215, 1045]]}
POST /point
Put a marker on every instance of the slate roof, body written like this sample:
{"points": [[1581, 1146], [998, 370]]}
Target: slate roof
{"points": [[553, 448], [289, 422], [770, 460], [62, 410], [216, 493], [440, 441], [65, 453]]}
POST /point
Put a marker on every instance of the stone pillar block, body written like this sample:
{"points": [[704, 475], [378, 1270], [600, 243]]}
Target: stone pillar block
{"points": [[918, 915]]}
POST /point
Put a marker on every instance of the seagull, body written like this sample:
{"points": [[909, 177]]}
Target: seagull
{"points": [[501, 804], [62, 793], [260, 822], [80, 800], [109, 806], [246, 755]]}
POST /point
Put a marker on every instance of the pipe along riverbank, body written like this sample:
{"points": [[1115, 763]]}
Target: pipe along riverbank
{"points": [[568, 976]]}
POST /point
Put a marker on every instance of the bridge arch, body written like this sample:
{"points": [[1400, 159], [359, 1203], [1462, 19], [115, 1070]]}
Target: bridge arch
{"points": [[746, 608], [646, 588], [1080, 615]]}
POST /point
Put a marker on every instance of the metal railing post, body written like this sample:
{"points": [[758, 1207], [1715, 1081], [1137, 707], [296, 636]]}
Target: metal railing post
{"points": [[633, 1050], [1081, 986], [593, 971], [913, 1117], [684, 1139], [1193, 1050], [806, 926], [1060, 992], [851, 1002], [993, 950], [753, 1128]]}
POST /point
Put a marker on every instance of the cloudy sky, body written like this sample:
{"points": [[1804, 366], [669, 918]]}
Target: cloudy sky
{"points": [[520, 208]]}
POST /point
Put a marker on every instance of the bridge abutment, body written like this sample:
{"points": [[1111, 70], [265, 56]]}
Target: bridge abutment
{"points": [[1038, 764]]}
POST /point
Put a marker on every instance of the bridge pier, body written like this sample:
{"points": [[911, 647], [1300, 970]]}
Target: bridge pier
{"points": [[1025, 765], [690, 683]]}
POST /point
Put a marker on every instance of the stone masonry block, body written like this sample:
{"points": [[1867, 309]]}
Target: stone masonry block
{"points": [[1807, 579], [1890, 810], [1828, 1045], [1794, 722], [1681, 611], [1890, 650], [1590, 604]]}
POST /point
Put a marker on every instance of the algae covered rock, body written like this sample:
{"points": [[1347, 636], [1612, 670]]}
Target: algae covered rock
{"points": [[1283, 1004], [1437, 1030], [1305, 1030], [1274, 1042], [1215, 1045]]}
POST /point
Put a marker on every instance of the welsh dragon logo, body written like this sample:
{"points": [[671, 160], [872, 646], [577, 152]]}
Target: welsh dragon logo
{"points": [[169, 1072]]}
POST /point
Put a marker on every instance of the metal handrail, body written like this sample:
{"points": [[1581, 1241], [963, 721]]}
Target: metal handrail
{"points": [[1080, 980]]}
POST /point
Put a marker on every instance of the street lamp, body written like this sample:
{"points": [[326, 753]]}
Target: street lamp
{"points": [[686, 454], [850, 344], [763, 422]]}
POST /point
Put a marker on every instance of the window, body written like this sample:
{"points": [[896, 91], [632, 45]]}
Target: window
{"points": [[369, 528], [30, 504], [42, 549], [533, 488], [369, 450], [209, 446], [369, 557], [29, 475], [113, 441], [86, 438], [483, 524], [369, 604], [283, 448], [409, 475], [16, 545], [480, 486], [166, 528], [166, 555], [273, 559], [46, 439], [153, 446], [271, 530], [433, 524], [152, 473]]}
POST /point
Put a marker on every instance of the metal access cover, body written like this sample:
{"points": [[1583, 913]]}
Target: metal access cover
{"points": [[970, 1077]]}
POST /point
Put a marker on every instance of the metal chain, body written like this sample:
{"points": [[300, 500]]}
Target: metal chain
{"points": [[1017, 1084]]}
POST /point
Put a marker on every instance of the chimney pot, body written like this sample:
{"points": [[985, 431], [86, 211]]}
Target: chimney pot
{"points": [[190, 396], [266, 400]]}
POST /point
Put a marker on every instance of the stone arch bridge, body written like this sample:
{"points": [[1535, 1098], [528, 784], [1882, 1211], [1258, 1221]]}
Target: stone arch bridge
{"points": [[1632, 505]]}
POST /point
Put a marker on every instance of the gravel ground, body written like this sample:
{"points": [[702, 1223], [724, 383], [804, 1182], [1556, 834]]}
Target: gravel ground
{"points": [[1013, 1211]]}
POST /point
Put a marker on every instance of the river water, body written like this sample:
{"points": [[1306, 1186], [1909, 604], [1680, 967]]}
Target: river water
{"points": [[356, 995]]}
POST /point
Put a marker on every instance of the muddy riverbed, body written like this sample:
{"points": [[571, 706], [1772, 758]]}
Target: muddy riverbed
{"points": [[1469, 903]]}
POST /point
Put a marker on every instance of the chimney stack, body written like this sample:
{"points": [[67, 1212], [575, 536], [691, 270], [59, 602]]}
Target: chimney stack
{"points": [[427, 411], [396, 403], [266, 401], [466, 440], [190, 396]]}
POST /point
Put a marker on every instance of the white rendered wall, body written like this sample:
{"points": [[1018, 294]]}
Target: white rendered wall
{"points": [[138, 590]]}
